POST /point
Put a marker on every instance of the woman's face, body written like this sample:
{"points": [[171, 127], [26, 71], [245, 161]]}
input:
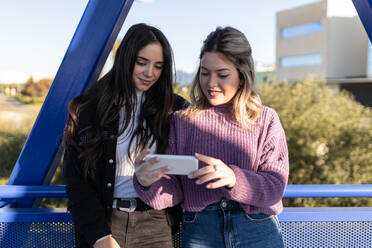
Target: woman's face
{"points": [[219, 78], [148, 66]]}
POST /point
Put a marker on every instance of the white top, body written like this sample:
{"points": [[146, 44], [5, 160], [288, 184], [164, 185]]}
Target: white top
{"points": [[124, 166]]}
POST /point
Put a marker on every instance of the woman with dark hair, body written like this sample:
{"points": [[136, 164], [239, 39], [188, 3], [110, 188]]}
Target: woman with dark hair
{"points": [[233, 198], [109, 125]]}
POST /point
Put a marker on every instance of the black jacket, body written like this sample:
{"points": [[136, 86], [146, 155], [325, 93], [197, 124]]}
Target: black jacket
{"points": [[90, 202]]}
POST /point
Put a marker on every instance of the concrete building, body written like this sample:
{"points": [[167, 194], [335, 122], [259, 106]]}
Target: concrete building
{"points": [[327, 39]]}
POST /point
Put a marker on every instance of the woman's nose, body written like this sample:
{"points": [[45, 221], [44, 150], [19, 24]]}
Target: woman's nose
{"points": [[212, 81], [148, 71]]}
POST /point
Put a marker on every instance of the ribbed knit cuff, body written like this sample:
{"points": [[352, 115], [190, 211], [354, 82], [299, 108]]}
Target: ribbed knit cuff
{"points": [[144, 188], [139, 187], [241, 188]]}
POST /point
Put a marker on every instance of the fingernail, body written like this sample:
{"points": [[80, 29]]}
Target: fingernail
{"points": [[196, 154], [189, 175], [197, 182]]}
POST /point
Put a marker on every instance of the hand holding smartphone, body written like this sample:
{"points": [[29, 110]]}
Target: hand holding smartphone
{"points": [[179, 164]]}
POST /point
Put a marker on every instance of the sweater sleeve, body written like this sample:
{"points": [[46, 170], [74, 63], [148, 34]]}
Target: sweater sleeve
{"points": [[166, 192], [264, 187]]}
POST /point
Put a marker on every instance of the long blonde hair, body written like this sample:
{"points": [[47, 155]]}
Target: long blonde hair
{"points": [[246, 104]]}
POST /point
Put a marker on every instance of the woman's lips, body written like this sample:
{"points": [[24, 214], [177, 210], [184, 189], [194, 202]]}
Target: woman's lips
{"points": [[146, 82], [213, 93]]}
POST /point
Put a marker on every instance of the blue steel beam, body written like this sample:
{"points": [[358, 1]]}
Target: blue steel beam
{"points": [[364, 8], [83, 61]]}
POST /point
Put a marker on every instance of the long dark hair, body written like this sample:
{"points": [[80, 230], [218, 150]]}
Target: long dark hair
{"points": [[246, 104], [116, 90]]}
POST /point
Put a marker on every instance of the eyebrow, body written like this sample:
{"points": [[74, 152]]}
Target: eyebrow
{"points": [[158, 62], [219, 70]]}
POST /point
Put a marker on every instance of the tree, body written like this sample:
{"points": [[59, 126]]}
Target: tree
{"points": [[28, 84], [329, 136], [38, 89]]}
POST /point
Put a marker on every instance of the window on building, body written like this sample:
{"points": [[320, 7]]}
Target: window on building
{"points": [[309, 28], [302, 60], [369, 60]]}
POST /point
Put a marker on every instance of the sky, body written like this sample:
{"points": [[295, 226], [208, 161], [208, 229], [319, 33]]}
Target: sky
{"points": [[35, 34]]}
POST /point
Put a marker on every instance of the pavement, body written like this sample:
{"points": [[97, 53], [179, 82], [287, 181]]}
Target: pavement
{"points": [[8, 103], [12, 111]]}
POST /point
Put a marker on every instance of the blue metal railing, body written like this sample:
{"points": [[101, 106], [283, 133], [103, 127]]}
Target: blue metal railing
{"points": [[15, 192], [301, 227], [328, 190], [292, 191], [21, 191]]}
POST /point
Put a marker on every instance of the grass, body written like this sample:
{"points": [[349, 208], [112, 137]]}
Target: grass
{"points": [[33, 100], [15, 126]]}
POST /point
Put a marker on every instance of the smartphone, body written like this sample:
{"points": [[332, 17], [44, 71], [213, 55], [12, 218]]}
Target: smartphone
{"points": [[179, 164]]}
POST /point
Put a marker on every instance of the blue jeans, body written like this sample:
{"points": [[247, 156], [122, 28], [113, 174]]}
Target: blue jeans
{"points": [[225, 224]]}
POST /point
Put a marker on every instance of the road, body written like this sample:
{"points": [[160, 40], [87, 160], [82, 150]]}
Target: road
{"points": [[14, 112], [8, 103]]}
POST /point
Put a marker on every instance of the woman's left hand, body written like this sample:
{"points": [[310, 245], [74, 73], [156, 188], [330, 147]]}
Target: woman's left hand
{"points": [[216, 171], [144, 172]]}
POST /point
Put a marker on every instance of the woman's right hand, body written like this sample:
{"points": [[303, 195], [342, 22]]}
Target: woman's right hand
{"points": [[108, 242], [145, 175]]}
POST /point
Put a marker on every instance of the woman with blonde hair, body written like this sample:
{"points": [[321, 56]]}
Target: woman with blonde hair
{"points": [[233, 198]]}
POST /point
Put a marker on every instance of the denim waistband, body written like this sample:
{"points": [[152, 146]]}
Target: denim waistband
{"points": [[224, 204]]}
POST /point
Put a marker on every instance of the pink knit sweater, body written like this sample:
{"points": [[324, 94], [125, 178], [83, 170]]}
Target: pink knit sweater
{"points": [[259, 158]]}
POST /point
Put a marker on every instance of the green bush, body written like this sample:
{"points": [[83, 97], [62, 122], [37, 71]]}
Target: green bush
{"points": [[32, 100], [14, 129], [10, 147], [329, 136]]}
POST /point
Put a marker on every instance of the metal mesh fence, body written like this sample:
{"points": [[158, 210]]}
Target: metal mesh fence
{"points": [[327, 234], [36, 234], [296, 234]]}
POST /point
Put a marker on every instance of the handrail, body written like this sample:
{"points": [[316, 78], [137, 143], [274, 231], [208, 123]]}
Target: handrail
{"points": [[328, 190], [292, 191], [23, 191]]}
